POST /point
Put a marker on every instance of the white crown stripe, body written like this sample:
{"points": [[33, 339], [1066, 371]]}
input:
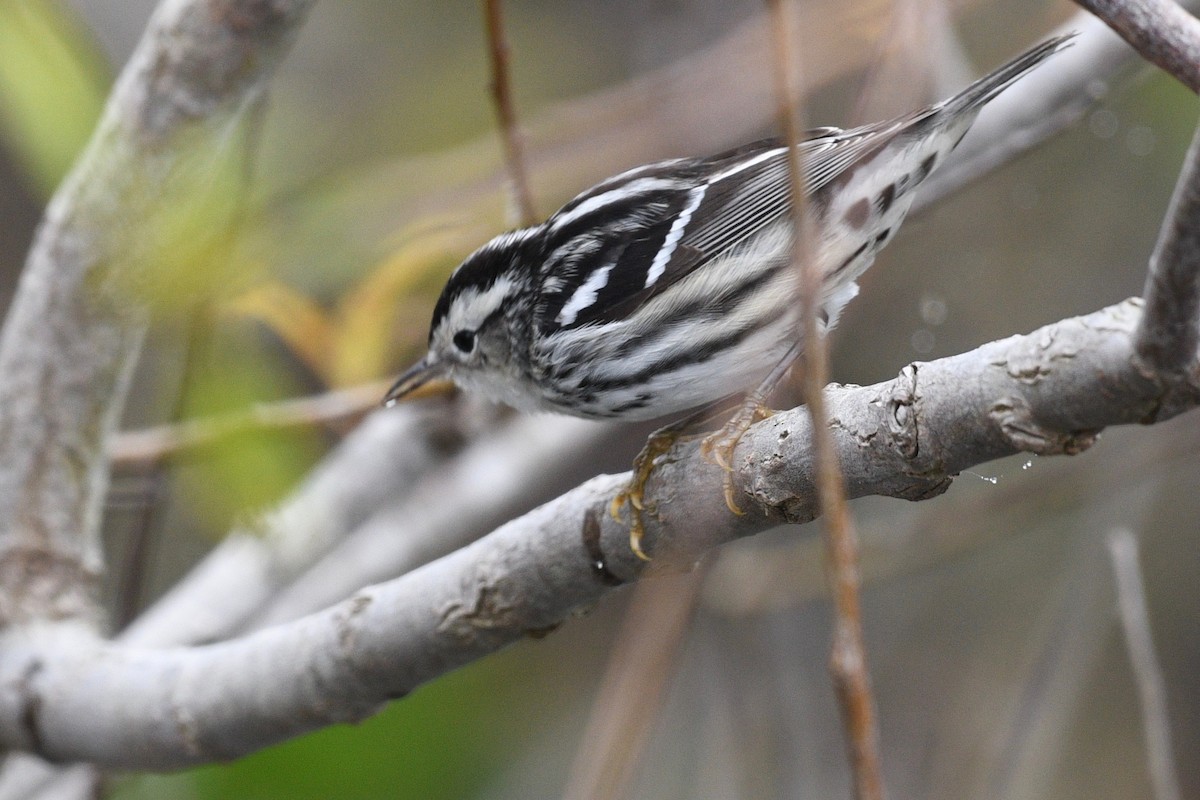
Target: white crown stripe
{"points": [[663, 256]]}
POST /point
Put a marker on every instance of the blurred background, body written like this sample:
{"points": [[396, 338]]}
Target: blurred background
{"points": [[1000, 666]]}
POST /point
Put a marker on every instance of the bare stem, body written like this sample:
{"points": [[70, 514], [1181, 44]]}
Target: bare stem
{"points": [[635, 681], [1161, 30], [514, 147], [1147, 673], [848, 662]]}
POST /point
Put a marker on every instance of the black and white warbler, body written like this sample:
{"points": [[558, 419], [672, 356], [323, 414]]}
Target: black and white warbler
{"points": [[669, 286]]}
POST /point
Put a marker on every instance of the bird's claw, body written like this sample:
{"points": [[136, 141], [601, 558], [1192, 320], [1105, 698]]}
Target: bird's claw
{"points": [[719, 447], [634, 495]]}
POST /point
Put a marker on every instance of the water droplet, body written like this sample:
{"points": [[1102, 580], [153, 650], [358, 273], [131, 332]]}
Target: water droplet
{"points": [[923, 341], [1028, 463], [933, 310], [1140, 140], [992, 479]]}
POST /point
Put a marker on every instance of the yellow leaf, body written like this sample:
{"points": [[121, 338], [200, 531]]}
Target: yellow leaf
{"points": [[367, 335], [304, 326]]}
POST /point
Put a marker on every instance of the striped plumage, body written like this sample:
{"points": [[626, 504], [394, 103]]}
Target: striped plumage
{"points": [[669, 286]]}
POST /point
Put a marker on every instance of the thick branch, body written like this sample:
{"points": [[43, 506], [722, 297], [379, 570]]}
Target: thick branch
{"points": [[1169, 36], [75, 328], [71, 696]]}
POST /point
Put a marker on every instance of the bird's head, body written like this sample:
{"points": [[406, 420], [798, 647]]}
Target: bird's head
{"points": [[473, 339]]}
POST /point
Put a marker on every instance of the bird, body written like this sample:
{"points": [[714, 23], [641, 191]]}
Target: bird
{"points": [[670, 286]]}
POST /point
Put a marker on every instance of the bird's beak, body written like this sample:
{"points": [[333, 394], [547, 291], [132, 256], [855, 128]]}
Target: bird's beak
{"points": [[414, 378]]}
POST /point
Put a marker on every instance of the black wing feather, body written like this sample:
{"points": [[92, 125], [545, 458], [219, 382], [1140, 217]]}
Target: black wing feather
{"points": [[737, 204]]}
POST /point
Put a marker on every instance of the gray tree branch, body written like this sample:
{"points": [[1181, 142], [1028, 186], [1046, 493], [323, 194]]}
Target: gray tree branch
{"points": [[69, 695], [366, 556], [1170, 329], [75, 327], [1048, 392], [1166, 34]]}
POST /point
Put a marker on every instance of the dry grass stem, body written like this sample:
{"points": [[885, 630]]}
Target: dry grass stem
{"points": [[1147, 673], [506, 114], [848, 663], [634, 686]]}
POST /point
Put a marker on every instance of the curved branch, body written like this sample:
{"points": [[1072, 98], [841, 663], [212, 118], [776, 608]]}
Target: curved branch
{"points": [[75, 327], [256, 560], [72, 696], [1167, 35]]}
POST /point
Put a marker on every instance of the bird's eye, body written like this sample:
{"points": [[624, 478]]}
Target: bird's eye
{"points": [[465, 341]]}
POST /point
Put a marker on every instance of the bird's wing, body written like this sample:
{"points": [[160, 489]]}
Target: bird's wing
{"points": [[616, 246]]}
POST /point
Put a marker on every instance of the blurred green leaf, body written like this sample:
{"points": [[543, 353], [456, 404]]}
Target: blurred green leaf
{"points": [[250, 471], [190, 237], [53, 82]]}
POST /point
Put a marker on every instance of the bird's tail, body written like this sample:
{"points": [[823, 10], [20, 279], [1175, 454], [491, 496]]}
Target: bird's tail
{"points": [[983, 90]]}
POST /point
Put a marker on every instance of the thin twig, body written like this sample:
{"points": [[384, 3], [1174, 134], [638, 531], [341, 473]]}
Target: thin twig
{"points": [[338, 407], [1168, 335], [1161, 30], [1147, 673], [634, 686], [514, 148], [847, 661]]}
